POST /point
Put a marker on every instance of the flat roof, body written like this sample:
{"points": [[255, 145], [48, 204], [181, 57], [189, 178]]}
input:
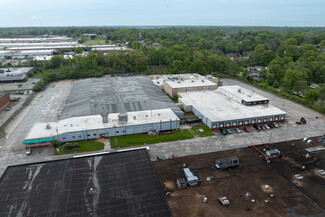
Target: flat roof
{"points": [[15, 71], [178, 83], [217, 107], [94, 122], [242, 93], [159, 79], [114, 95], [116, 185], [41, 44]]}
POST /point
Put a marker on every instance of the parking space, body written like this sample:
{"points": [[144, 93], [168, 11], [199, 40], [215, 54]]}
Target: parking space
{"points": [[24, 85], [45, 107]]}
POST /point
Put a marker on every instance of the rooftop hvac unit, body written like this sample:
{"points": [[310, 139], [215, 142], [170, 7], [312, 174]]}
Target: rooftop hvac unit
{"points": [[181, 183], [273, 153], [191, 179], [227, 162], [48, 126], [123, 117]]}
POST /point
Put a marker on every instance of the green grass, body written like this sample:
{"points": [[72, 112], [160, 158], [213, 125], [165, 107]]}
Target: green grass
{"points": [[141, 139], [38, 75], [207, 131], [84, 146], [94, 41]]}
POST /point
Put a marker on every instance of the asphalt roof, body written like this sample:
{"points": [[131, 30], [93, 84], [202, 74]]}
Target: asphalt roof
{"points": [[118, 184], [114, 95]]}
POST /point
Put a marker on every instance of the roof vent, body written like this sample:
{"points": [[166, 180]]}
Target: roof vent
{"points": [[48, 126], [123, 117], [239, 90]]}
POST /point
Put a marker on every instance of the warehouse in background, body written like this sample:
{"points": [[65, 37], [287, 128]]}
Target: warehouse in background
{"points": [[15, 74], [230, 106], [173, 84]]}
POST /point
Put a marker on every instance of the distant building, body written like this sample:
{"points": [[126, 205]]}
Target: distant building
{"points": [[4, 100], [15, 74]]}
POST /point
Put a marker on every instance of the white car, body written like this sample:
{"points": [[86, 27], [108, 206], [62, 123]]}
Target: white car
{"points": [[267, 127], [237, 130], [28, 151]]}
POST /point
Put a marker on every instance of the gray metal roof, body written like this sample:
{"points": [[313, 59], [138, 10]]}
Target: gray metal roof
{"points": [[114, 95]]}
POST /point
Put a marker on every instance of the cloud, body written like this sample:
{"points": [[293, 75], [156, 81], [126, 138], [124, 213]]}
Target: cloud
{"points": [[36, 17]]}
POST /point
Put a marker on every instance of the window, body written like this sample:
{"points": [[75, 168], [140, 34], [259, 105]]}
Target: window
{"points": [[79, 136], [265, 119], [240, 123], [88, 134], [214, 126], [73, 137], [134, 117], [63, 137], [234, 123], [158, 114], [95, 134], [146, 116], [220, 125], [117, 131]]}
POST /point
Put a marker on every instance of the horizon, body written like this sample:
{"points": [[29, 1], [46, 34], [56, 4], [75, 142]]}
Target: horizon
{"points": [[80, 13]]}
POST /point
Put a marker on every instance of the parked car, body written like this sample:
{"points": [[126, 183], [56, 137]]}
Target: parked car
{"points": [[267, 126], [275, 125], [228, 131], [298, 122], [237, 130], [262, 127], [271, 125], [246, 129], [256, 127], [223, 132], [28, 151], [159, 157]]}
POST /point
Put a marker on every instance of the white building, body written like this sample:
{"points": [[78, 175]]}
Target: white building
{"points": [[97, 126], [220, 109], [15, 74]]}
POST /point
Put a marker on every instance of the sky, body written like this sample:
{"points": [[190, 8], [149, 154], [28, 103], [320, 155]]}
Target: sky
{"points": [[162, 12]]}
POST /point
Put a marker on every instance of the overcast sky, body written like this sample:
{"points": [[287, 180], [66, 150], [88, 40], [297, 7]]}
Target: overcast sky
{"points": [[162, 12]]}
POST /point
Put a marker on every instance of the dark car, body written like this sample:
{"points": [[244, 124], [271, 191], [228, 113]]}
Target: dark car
{"points": [[159, 157], [223, 132], [271, 125], [256, 127]]}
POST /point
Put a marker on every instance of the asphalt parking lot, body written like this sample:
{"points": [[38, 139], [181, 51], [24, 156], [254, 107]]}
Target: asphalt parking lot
{"points": [[26, 85], [47, 105]]}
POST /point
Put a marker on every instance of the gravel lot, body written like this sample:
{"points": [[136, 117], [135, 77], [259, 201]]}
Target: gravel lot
{"points": [[48, 104]]}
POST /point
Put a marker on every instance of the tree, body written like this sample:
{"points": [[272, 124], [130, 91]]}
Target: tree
{"points": [[197, 67], [177, 66], [78, 50], [311, 96]]}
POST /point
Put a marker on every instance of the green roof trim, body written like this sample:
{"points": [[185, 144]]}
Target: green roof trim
{"points": [[38, 140]]}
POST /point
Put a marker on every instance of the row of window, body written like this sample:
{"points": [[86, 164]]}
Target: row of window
{"points": [[255, 102], [94, 135], [245, 122]]}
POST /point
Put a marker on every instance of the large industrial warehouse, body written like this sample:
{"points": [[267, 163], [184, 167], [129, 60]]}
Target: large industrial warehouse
{"points": [[106, 107], [230, 106], [104, 125], [114, 95]]}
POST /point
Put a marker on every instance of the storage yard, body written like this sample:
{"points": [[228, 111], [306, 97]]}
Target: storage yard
{"points": [[254, 188]]}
